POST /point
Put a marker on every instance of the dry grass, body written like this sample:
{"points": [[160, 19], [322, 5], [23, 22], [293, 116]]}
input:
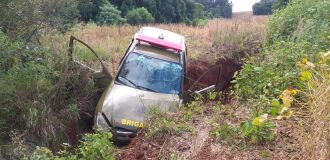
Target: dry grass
{"points": [[235, 38], [219, 37], [316, 124]]}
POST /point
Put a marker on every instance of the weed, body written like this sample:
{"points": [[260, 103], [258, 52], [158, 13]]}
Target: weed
{"points": [[174, 156], [264, 154], [212, 95], [258, 130], [94, 146], [226, 134], [159, 123], [192, 109], [314, 115]]}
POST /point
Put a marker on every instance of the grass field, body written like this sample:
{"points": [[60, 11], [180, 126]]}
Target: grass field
{"points": [[235, 37]]}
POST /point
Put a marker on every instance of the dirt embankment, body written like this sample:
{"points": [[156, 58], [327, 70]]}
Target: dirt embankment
{"points": [[201, 145], [202, 74]]}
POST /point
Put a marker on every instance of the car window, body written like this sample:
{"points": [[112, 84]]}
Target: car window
{"points": [[152, 74]]}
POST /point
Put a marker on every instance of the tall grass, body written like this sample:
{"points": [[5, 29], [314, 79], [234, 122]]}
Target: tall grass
{"points": [[219, 37], [316, 118], [297, 34]]}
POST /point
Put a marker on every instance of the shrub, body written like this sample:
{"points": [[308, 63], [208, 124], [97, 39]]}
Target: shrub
{"points": [[293, 34], [22, 20], [264, 7], [39, 94], [26, 79], [279, 4], [93, 146], [258, 130], [159, 123], [109, 14], [296, 36], [97, 146], [226, 133], [218, 9], [302, 21], [139, 16]]}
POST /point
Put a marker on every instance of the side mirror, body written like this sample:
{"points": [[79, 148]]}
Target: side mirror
{"points": [[104, 73]]}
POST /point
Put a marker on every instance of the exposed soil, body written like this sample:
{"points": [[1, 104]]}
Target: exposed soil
{"points": [[201, 74]]}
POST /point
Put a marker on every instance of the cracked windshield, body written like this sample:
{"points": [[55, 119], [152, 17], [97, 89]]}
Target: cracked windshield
{"points": [[148, 73]]}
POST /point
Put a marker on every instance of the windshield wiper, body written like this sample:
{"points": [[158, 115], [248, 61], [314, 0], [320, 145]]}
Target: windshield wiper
{"points": [[129, 81], [145, 88], [137, 86]]}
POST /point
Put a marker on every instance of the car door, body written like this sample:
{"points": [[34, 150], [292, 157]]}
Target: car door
{"points": [[90, 61]]}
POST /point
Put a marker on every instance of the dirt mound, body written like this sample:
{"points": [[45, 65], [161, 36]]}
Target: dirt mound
{"points": [[201, 74]]}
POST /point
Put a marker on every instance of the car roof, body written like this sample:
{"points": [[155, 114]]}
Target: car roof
{"points": [[161, 37], [157, 53]]}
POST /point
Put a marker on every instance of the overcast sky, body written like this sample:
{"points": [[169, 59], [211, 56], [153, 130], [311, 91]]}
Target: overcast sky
{"points": [[243, 5]]}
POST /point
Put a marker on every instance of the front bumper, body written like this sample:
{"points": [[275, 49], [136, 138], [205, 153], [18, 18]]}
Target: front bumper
{"points": [[122, 134], [119, 134]]}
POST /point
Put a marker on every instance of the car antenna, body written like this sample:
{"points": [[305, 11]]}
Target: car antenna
{"points": [[161, 36]]}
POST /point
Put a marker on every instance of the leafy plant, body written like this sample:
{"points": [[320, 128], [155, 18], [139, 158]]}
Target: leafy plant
{"points": [[159, 123], [226, 133], [264, 7], [297, 32], [258, 130], [193, 108], [97, 146], [23, 20], [93, 146], [139, 16], [212, 95], [109, 14]]}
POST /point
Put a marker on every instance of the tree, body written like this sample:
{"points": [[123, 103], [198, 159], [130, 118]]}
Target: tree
{"points": [[217, 8], [87, 10], [279, 4], [139, 16], [150, 5], [264, 7], [109, 14], [165, 11], [127, 5], [21, 19], [195, 10]]}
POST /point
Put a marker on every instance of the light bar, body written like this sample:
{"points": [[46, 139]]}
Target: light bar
{"points": [[160, 42]]}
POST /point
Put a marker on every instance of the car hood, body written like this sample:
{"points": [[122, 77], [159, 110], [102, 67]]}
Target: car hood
{"points": [[126, 107]]}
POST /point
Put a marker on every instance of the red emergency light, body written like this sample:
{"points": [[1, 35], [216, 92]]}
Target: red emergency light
{"points": [[160, 42]]}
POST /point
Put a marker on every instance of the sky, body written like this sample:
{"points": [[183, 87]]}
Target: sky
{"points": [[243, 5]]}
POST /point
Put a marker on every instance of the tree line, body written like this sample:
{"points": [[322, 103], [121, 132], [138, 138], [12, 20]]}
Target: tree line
{"points": [[149, 11], [23, 19], [266, 7]]}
